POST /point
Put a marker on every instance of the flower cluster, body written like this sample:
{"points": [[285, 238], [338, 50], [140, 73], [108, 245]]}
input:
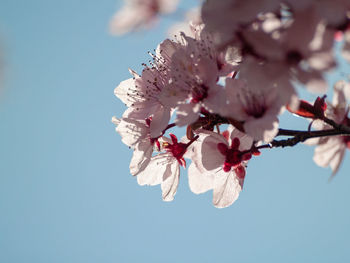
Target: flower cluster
{"points": [[235, 70]]}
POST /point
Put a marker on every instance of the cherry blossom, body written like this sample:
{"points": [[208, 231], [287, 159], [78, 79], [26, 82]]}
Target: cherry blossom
{"points": [[188, 27], [136, 134], [226, 17], [164, 168], [142, 95], [257, 100], [237, 65], [195, 69], [137, 14], [219, 163], [330, 151]]}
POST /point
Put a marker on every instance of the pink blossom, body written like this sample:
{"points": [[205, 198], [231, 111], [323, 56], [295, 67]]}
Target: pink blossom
{"points": [[256, 99], [142, 95], [188, 26], [303, 52], [164, 168], [330, 151], [136, 135], [195, 70], [219, 163], [137, 14], [225, 17]]}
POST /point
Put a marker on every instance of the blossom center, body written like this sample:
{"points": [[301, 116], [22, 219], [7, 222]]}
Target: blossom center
{"points": [[199, 93], [233, 156], [255, 106], [293, 57], [177, 149]]}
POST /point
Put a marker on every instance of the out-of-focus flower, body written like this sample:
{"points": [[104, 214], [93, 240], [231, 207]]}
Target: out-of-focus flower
{"points": [[256, 98], [330, 150], [218, 163], [193, 19], [225, 17], [138, 14], [346, 47]]}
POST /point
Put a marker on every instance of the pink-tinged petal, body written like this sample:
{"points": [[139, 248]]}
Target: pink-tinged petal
{"points": [[187, 114], [170, 182], [128, 19], [198, 181], [322, 61], [264, 45], [153, 173], [121, 91], [246, 141], [313, 80], [160, 121], [141, 157], [226, 189], [141, 111], [207, 70], [211, 158], [166, 6], [115, 120], [207, 160], [312, 141], [132, 131], [265, 128], [336, 161], [216, 99], [166, 49], [233, 107], [324, 153], [341, 93], [139, 14], [172, 95]]}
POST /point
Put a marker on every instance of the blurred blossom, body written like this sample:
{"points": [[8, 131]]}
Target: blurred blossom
{"points": [[139, 14]]}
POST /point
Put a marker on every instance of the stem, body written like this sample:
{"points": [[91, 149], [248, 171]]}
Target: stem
{"points": [[339, 127], [301, 136], [192, 140]]}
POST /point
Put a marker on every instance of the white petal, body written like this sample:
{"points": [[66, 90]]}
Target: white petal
{"points": [[226, 189], [170, 182], [337, 160], [141, 157], [216, 99], [121, 91], [211, 158], [198, 181], [264, 128], [160, 121], [132, 131], [186, 114], [153, 173], [246, 141], [325, 152]]}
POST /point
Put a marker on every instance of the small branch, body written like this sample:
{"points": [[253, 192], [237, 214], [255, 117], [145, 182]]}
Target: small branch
{"points": [[300, 136], [339, 127]]}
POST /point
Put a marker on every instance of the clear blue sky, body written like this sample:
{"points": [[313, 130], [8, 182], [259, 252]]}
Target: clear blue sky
{"points": [[66, 194]]}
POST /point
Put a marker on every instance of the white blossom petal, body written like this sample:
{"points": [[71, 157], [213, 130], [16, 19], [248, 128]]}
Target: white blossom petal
{"points": [[226, 189], [170, 181]]}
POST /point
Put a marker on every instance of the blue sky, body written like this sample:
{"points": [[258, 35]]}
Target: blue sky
{"points": [[66, 194]]}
